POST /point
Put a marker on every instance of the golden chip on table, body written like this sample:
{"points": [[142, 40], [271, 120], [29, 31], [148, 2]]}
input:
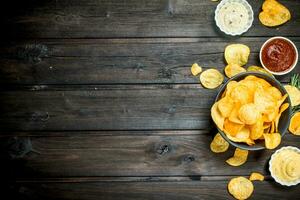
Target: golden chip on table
{"points": [[258, 69], [273, 13], [250, 110], [294, 94], [233, 69], [240, 157], [240, 188], [294, 126], [211, 78], [196, 69], [255, 176], [219, 144], [237, 54]]}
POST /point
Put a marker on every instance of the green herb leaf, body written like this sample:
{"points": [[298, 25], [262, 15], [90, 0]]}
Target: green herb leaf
{"points": [[295, 80]]}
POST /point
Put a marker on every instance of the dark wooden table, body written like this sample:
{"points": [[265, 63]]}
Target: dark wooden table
{"points": [[98, 102]]}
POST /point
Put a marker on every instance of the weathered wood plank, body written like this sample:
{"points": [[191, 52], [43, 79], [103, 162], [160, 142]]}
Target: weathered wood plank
{"points": [[107, 107], [79, 155], [181, 190], [116, 61], [130, 18]]}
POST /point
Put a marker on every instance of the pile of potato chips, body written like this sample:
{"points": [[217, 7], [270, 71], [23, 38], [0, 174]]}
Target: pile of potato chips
{"points": [[250, 110]]}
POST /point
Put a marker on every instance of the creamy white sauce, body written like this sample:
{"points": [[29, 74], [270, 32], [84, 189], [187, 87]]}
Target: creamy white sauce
{"points": [[233, 17]]}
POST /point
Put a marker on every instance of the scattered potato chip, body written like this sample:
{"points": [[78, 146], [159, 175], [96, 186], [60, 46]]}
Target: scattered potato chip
{"points": [[196, 69], [273, 13], [294, 94], [294, 126], [237, 54], [255, 176], [233, 69], [217, 117], [248, 113], [219, 144], [258, 69], [211, 78], [240, 157], [240, 188], [272, 140]]}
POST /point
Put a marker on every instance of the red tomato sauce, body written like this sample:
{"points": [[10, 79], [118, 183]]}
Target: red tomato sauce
{"points": [[278, 55]]}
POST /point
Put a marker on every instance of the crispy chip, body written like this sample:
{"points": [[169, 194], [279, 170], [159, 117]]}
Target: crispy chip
{"points": [[282, 109], [240, 188], [225, 106], [240, 157], [258, 69], [211, 78], [294, 94], [233, 69], [240, 94], [264, 102], [219, 144], [257, 129], [255, 176], [234, 114], [248, 114], [273, 13], [217, 117], [272, 140], [274, 92], [237, 54], [196, 69], [231, 127], [294, 126]]}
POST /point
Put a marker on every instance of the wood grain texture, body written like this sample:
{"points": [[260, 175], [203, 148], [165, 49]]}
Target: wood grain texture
{"points": [[163, 153], [178, 190], [130, 18], [117, 61], [107, 107]]}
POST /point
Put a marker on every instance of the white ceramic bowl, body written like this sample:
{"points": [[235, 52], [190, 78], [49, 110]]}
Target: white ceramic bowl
{"points": [[250, 14], [271, 161], [289, 69]]}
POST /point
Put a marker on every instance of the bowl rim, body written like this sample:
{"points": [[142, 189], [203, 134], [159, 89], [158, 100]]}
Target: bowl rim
{"points": [[251, 17], [277, 85], [290, 68]]}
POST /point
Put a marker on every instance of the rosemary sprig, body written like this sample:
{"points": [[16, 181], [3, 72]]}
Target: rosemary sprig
{"points": [[295, 80], [295, 109]]}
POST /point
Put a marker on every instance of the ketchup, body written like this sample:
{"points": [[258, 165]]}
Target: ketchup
{"points": [[278, 55]]}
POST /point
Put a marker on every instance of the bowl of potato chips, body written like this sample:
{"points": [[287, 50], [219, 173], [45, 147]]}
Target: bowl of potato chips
{"points": [[252, 111]]}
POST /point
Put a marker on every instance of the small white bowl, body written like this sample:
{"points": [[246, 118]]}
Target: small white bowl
{"points": [[271, 161], [247, 7], [283, 72]]}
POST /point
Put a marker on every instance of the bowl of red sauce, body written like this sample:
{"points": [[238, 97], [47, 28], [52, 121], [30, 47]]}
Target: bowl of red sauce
{"points": [[278, 55]]}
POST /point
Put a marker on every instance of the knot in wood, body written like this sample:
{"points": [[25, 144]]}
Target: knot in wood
{"points": [[16, 147], [163, 149], [32, 52], [189, 158], [40, 116]]}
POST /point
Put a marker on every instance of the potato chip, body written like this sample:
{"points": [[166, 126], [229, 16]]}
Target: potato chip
{"points": [[233, 69], [196, 69], [240, 94], [231, 127], [273, 13], [294, 94], [272, 140], [211, 78], [294, 126], [248, 114], [225, 106], [237, 54], [259, 69], [234, 114], [240, 188], [257, 129], [219, 144], [217, 117], [255, 176], [250, 142], [264, 102], [282, 109], [274, 92], [240, 157]]}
